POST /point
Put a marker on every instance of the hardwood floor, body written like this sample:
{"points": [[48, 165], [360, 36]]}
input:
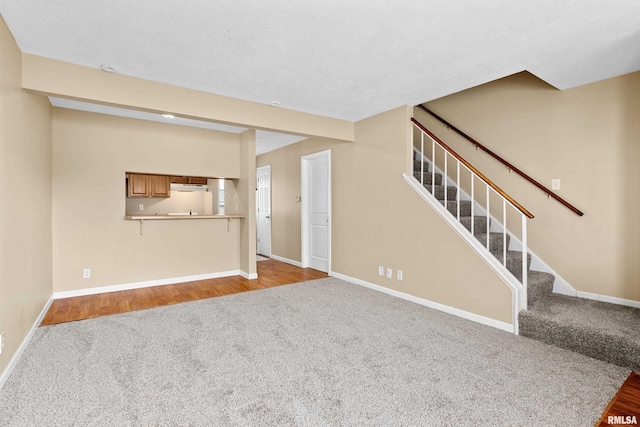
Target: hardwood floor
{"points": [[270, 273], [626, 403]]}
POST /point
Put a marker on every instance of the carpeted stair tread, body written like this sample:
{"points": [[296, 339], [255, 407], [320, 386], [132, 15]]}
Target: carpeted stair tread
{"points": [[514, 261], [427, 177], [417, 165], [439, 191], [495, 240], [479, 223], [465, 207], [601, 330], [539, 285]]}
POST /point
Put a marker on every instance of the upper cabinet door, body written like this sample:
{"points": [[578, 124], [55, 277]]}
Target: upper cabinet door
{"points": [[138, 185], [179, 180], [197, 180], [160, 185]]}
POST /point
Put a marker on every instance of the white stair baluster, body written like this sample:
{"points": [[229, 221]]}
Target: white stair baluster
{"points": [[433, 167], [473, 200], [458, 189], [523, 303], [504, 232], [487, 185], [444, 178], [422, 158]]}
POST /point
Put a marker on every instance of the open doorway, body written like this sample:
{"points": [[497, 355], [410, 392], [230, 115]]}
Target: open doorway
{"points": [[263, 206]]}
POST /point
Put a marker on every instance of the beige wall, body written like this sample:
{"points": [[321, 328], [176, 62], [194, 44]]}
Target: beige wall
{"points": [[25, 206], [62, 79], [246, 191], [589, 137], [91, 153], [377, 219]]}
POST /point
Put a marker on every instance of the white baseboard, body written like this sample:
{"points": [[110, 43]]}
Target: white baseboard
{"points": [[287, 260], [146, 284], [613, 300], [14, 360], [427, 303], [248, 276]]}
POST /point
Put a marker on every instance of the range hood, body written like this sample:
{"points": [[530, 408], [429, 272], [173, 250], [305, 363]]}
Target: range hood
{"points": [[188, 187]]}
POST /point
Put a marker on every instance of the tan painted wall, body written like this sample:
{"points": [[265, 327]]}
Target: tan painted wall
{"points": [[62, 79], [25, 206], [91, 153], [589, 137], [377, 219], [246, 191]]}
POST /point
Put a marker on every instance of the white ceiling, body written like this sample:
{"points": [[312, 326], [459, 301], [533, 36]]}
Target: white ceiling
{"points": [[337, 58]]}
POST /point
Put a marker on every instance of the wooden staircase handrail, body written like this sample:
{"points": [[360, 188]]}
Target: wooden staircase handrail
{"points": [[548, 192], [474, 170]]}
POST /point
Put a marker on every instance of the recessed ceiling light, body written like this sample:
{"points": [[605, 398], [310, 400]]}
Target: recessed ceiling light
{"points": [[108, 68], [168, 116], [274, 103]]}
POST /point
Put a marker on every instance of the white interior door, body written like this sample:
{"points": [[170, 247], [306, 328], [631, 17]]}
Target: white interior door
{"points": [[317, 211], [263, 204]]}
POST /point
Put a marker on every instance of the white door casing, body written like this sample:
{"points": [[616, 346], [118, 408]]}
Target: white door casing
{"points": [[316, 211], [263, 206]]}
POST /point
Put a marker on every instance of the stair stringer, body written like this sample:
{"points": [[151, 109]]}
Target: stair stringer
{"points": [[560, 285], [518, 293]]}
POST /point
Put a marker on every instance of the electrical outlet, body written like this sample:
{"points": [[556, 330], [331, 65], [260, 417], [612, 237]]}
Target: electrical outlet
{"points": [[1, 342], [389, 273], [380, 270], [555, 184], [399, 274], [86, 273], [140, 207]]}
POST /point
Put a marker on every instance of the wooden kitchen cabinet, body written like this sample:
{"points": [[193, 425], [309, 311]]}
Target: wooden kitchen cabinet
{"points": [[160, 186], [197, 180], [188, 180], [179, 180], [142, 185]]}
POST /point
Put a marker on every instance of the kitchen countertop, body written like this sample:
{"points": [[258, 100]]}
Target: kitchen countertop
{"points": [[163, 217]]}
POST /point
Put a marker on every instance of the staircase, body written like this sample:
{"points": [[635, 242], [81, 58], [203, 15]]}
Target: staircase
{"points": [[539, 284], [601, 330], [598, 329]]}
